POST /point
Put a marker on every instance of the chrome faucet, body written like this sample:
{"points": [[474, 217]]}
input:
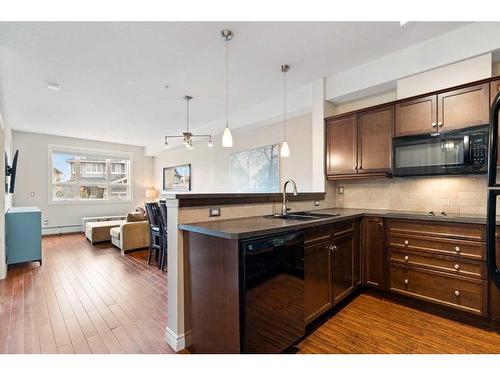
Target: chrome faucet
{"points": [[284, 208]]}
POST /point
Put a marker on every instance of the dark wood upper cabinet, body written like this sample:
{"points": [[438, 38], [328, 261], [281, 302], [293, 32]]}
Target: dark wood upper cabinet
{"points": [[416, 116], [375, 129], [494, 89], [317, 280], [373, 246], [344, 267], [464, 107], [341, 145]]}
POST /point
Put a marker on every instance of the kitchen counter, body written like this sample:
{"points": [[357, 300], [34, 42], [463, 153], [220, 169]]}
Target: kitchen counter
{"points": [[237, 229]]}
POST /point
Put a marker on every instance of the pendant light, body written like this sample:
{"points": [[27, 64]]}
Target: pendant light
{"points": [[187, 136], [285, 150], [227, 138]]}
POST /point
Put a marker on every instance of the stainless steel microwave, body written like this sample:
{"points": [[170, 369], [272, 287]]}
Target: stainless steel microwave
{"points": [[449, 153]]}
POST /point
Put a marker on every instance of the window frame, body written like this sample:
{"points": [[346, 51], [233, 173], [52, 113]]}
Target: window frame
{"points": [[91, 152]]}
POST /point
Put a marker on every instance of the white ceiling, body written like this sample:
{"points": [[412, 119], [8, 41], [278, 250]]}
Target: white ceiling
{"points": [[112, 75]]}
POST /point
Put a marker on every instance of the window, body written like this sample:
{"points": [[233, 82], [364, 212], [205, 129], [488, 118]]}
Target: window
{"points": [[80, 175]]}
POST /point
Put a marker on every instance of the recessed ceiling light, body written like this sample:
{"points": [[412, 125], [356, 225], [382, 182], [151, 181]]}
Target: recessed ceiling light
{"points": [[402, 23], [53, 86], [166, 87]]}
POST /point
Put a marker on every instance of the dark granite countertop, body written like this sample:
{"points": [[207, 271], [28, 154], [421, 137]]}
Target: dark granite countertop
{"points": [[237, 229]]}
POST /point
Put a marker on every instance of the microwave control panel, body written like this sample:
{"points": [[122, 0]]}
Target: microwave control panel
{"points": [[478, 150]]}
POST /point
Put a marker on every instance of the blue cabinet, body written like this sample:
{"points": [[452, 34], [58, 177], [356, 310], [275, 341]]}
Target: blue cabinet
{"points": [[23, 234]]}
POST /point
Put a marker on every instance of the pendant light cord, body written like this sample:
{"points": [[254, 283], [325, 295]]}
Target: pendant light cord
{"points": [[227, 86], [284, 104], [187, 115]]}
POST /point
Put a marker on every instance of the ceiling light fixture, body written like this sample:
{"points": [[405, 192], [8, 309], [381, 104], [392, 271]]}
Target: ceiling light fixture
{"points": [[53, 86], [285, 150], [187, 136], [402, 23], [227, 138]]}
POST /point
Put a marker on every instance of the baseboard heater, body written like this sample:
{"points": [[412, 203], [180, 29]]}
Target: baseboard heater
{"points": [[61, 229]]}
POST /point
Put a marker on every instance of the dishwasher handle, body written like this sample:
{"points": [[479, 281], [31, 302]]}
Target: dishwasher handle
{"points": [[273, 241]]}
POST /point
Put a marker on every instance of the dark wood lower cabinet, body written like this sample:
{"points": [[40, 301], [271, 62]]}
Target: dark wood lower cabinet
{"points": [[373, 247], [344, 268], [317, 276]]}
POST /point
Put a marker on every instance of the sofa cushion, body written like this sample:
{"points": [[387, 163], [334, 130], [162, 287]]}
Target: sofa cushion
{"points": [[133, 217], [115, 232]]}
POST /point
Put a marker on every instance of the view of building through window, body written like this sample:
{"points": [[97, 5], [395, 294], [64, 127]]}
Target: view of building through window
{"points": [[84, 177]]}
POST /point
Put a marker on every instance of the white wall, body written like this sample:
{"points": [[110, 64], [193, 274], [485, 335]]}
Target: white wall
{"points": [[447, 76], [5, 199], [210, 167], [32, 176]]}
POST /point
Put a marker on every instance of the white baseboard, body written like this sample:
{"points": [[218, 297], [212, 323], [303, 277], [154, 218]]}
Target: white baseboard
{"points": [[61, 230], [174, 341]]}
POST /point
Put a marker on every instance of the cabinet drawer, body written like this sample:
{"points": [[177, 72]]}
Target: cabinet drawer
{"points": [[453, 291], [316, 235], [344, 227], [437, 245], [453, 265], [468, 232]]}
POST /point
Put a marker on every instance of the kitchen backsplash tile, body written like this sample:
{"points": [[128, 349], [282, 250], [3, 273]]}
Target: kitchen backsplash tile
{"points": [[453, 194]]}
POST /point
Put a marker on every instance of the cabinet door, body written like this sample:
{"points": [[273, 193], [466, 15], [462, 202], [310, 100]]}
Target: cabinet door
{"points": [[317, 288], [375, 140], [494, 89], [416, 116], [343, 267], [341, 146], [465, 107], [494, 290], [373, 245]]}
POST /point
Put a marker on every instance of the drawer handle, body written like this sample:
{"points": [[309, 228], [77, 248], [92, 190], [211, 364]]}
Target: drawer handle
{"points": [[407, 281], [457, 249], [406, 258], [457, 293], [457, 266], [406, 242]]}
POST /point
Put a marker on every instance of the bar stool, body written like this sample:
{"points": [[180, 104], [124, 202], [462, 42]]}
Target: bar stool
{"points": [[164, 233], [155, 233]]}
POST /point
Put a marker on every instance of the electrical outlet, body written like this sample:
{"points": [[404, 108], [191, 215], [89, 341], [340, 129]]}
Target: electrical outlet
{"points": [[340, 190], [212, 212]]}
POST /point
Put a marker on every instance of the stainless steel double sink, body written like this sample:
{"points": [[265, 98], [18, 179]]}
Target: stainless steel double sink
{"points": [[303, 215]]}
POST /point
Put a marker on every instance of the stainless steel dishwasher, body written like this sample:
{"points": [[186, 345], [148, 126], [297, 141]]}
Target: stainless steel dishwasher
{"points": [[272, 292]]}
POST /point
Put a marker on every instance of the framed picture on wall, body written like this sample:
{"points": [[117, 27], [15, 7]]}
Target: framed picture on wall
{"points": [[177, 178]]}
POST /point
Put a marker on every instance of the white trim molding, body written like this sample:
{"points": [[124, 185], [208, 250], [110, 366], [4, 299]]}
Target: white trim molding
{"points": [[174, 341]]}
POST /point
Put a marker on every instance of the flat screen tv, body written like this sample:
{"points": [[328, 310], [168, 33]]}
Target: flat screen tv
{"points": [[11, 171]]}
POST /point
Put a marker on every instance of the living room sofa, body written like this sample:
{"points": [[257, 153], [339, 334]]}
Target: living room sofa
{"points": [[130, 236]]}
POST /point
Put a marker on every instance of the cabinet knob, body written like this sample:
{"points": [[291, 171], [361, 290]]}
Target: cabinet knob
{"points": [[406, 281], [440, 123], [434, 125], [457, 249], [354, 168], [457, 293], [457, 266], [406, 242], [406, 258]]}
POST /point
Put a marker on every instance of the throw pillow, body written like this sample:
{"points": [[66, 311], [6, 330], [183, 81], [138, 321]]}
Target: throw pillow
{"points": [[134, 216]]}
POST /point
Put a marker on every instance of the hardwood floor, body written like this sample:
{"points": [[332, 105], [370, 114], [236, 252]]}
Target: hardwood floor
{"points": [[373, 325], [90, 299], [84, 299]]}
